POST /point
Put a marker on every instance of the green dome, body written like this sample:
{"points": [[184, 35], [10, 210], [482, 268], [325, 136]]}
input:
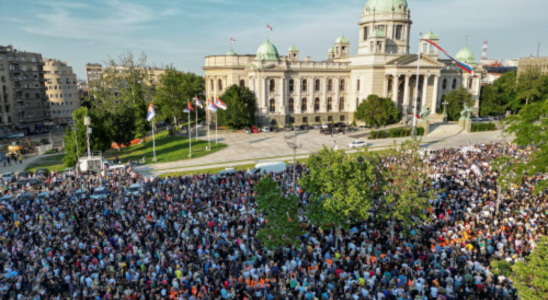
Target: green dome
{"points": [[378, 34], [466, 56], [331, 50], [430, 36], [386, 6], [230, 52], [342, 40], [267, 51], [293, 49]]}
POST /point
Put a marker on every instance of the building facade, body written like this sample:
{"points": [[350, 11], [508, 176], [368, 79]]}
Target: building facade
{"points": [[96, 72], [533, 62], [290, 90], [23, 100], [62, 90]]}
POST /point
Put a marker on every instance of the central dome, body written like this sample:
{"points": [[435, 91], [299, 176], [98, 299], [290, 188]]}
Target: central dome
{"points": [[386, 6], [466, 56], [267, 51]]}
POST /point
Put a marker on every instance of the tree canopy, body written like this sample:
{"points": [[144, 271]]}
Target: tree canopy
{"points": [[241, 105], [491, 104], [377, 111], [456, 99]]}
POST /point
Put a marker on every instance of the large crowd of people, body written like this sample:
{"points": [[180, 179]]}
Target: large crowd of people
{"points": [[193, 237]]}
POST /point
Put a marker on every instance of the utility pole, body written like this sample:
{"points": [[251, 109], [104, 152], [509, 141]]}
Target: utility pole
{"points": [[87, 122], [293, 145]]}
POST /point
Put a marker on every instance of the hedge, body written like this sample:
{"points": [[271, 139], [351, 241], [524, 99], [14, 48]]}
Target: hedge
{"points": [[483, 127], [394, 133]]}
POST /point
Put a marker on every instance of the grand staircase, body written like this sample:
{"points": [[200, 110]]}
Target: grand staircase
{"points": [[444, 129]]}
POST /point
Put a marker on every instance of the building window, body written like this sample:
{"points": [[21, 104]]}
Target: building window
{"points": [[303, 105], [341, 86], [291, 85], [454, 86], [470, 82], [220, 84], [305, 120], [341, 104], [444, 83], [317, 104], [330, 119], [329, 104], [330, 85], [317, 85], [318, 120], [291, 105], [305, 85], [358, 85], [272, 105], [242, 83], [272, 85], [399, 32], [357, 102]]}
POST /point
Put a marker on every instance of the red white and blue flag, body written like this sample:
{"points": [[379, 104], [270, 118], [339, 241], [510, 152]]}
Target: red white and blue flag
{"points": [[220, 104], [198, 102], [211, 106], [462, 65], [232, 40], [268, 27], [189, 108], [151, 113]]}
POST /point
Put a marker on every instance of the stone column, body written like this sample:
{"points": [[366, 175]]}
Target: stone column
{"points": [[298, 104], [265, 93], [395, 89], [282, 96], [424, 90], [385, 87], [435, 93], [405, 107], [323, 99]]}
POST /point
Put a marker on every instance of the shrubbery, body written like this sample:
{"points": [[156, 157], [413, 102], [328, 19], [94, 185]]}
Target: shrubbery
{"points": [[394, 133], [483, 127]]}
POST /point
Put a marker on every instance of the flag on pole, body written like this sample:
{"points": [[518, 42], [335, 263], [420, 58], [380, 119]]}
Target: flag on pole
{"points": [[190, 106], [211, 106], [268, 27], [198, 102], [151, 113], [220, 104], [232, 40], [462, 65]]}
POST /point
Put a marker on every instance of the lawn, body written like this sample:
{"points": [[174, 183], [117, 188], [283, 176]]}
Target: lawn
{"points": [[168, 148]]}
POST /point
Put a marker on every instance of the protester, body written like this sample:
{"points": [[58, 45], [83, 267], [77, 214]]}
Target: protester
{"points": [[193, 237]]}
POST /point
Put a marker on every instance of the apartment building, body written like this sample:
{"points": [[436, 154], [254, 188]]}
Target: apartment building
{"points": [[62, 90], [23, 100], [95, 72]]}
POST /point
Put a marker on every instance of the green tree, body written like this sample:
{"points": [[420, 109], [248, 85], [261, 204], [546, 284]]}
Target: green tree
{"points": [[241, 107], [121, 123], [377, 111], [531, 85], [406, 190], [505, 90], [456, 99], [491, 103], [341, 188], [281, 213], [100, 138]]}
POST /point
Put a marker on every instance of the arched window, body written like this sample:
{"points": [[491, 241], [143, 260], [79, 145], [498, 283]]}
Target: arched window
{"points": [[330, 85], [305, 85], [242, 83], [272, 105], [291, 85], [358, 85], [212, 85], [291, 105], [454, 83], [317, 85], [329, 104], [357, 102], [341, 86], [444, 84], [273, 122], [304, 105], [341, 104], [220, 83], [317, 104], [272, 85]]}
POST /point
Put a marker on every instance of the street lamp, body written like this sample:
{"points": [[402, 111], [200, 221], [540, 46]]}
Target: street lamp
{"points": [[293, 145], [87, 123]]}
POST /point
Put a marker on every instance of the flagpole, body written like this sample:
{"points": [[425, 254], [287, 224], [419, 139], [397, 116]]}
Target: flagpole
{"points": [[215, 128], [153, 142], [208, 142], [189, 135], [196, 121], [414, 131]]}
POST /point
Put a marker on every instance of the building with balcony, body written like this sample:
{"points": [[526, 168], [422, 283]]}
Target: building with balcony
{"points": [[291, 90], [62, 90], [23, 100]]}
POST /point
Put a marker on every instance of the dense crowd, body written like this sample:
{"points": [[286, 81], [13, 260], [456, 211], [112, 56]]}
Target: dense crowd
{"points": [[193, 237]]}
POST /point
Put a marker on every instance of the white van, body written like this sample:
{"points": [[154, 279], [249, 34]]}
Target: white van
{"points": [[117, 168], [225, 173], [274, 167]]}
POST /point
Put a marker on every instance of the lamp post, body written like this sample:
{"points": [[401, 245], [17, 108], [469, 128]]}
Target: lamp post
{"points": [[87, 123], [293, 145], [76, 137]]}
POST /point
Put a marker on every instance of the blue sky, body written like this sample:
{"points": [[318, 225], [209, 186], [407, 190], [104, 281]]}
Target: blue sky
{"points": [[183, 32]]}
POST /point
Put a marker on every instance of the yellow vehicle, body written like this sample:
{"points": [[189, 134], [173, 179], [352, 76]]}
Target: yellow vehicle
{"points": [[18, 147]]}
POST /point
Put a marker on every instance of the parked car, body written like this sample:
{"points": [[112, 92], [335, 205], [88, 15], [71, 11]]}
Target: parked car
{"points": [[133, 190], [274, 129], [42, 172], [24, 174], [247, 130], [265, 129], [255, 129], [357, 144], [81, 192], [326, 131], [226, 172], [305, 127], [8, 177], [317, 126], [99, 193], [298, 128], [325, 126], [350, 129], [288, 128]]}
